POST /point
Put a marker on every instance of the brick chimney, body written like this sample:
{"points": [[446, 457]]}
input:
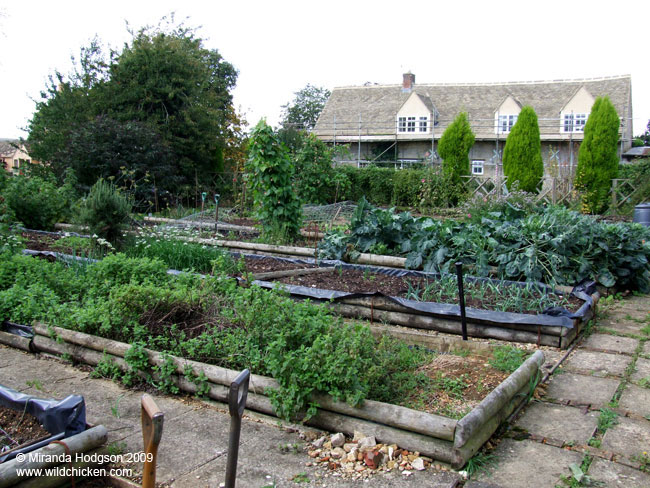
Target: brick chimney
{"points": [[408, 81]]}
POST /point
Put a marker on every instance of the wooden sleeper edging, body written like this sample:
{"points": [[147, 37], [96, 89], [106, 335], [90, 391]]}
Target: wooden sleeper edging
{"points": [[439, 437]]}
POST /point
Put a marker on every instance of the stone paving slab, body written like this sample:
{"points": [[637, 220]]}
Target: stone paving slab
{"points": [[610, 343], [559, 422], [615, 475], [636, 399], [528, 463], [629, 437], [636, 309], [621, 326], [271, 467], [582, 389], [188, 442], [646, 347], [641, 370], [597, 363]]}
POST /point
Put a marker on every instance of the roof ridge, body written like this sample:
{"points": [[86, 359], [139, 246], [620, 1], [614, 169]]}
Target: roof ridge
{"points": [[493, 83]]}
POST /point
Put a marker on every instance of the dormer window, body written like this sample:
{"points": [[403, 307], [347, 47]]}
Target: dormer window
{"points": [[406, 124], [574, 122], [505, 123], [424, 121]]}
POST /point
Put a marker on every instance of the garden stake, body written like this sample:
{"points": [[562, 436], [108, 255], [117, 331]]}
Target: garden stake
{"points": [[152, 426], [216, 212], [236, 404], [203, 195], [461, 295]]}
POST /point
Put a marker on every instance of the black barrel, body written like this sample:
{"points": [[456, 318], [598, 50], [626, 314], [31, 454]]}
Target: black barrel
{"points": [[642, 214]]}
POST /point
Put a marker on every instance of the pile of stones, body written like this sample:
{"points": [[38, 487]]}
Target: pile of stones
{"points": [[362, 456]]}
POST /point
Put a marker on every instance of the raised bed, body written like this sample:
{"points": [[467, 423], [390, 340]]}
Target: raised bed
{"points": [[441, 438], [57, 434], [557, 330]]}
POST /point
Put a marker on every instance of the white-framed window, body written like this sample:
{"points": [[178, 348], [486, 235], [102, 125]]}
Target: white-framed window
{"points": [[410, 124], [574, 122], [477, 166], [424, 122], [505, 123], [406, 124]]}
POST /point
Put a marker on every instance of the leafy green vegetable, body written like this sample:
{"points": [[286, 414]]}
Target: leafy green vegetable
{"points": [[547, 244]]}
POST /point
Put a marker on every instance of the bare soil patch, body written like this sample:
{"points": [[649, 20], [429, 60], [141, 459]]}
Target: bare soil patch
{"points": [[19, 428], [464, 383], [354, 281]]}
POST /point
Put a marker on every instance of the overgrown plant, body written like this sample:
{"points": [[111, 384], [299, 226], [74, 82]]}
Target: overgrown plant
{"points": [[271, 177]]}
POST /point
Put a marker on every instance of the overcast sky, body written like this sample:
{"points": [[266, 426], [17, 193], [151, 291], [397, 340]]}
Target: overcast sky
{"points": [[280, 46]]}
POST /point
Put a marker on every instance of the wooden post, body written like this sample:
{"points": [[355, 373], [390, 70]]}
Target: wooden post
{"points": [[554, 190], [614, 196], [152, 426]]}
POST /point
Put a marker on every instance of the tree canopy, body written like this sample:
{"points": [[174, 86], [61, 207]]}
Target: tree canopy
{"points": [[164, 83], [522, 154], [304, 110]]}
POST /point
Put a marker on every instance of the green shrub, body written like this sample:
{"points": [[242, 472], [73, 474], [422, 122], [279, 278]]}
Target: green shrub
{"points": [[314, 175], [106, 212], [438, 189], [35, 202], [598, 156], [454, 147], [522, 155]]}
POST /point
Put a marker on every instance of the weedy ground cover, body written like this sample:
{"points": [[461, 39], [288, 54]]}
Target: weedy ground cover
{"points": [[212, 319]]}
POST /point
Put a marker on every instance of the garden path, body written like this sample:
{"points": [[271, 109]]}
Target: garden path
{"points": [[595, 412]]}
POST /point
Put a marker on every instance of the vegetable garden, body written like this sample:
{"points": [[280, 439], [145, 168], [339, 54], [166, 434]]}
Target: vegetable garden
{"points": [[282, 317]]}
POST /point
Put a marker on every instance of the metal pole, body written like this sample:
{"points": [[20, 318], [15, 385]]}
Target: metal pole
{"points": [[236, 404], [461, 296], [359, 147], [216, 212]]}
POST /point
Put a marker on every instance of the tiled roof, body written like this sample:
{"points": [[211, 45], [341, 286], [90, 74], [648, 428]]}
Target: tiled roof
{"points": [[374, 107]]}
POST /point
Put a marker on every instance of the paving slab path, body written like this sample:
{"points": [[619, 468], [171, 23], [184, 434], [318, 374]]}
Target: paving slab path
{"points": [[607, 372], [595, 412]]}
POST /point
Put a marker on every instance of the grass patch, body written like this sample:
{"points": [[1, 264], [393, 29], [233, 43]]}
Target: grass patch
{"points": [[480, 462], [507, 358]]}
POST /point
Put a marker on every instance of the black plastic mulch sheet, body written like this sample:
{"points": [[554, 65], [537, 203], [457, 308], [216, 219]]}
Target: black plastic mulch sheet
{"points": [[61, 418], [554, 317]]}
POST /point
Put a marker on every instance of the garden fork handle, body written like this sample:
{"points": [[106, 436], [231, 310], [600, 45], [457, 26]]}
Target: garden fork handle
{"points": [[152, 427]]}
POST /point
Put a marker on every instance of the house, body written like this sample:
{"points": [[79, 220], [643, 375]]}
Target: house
{"points": [[403, 123], [13, 155]]}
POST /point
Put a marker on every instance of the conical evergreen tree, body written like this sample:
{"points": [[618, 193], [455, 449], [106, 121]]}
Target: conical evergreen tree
{"points": [[598, 156], [522, 155], [454, 147]]}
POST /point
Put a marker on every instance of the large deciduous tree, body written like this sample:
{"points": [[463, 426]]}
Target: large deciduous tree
{"points": [[304, 110], [522, 154], [165, 82], [598, 156]]}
